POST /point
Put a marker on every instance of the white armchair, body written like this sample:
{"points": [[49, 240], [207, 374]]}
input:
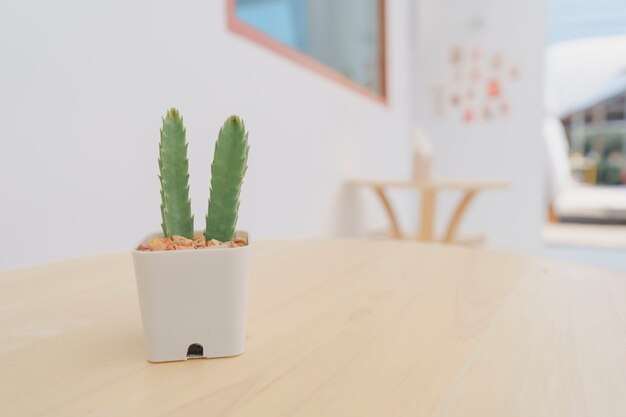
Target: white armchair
{"points": [[573, 201]]}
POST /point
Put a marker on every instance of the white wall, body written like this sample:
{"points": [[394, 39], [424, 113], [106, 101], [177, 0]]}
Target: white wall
{"points": [[83, 86], [510, 147]]}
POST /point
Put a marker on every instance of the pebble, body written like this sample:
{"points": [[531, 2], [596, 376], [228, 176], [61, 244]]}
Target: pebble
{"points": [[177, 242]]}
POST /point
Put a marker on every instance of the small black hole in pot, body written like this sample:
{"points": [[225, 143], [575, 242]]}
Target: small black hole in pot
{"points": [[195, 351]]}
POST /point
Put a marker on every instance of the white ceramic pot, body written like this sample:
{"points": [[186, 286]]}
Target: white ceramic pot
{"points": [[193, 302]]}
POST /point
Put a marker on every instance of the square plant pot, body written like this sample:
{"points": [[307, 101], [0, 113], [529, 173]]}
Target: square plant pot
{"points": [[194, 302]]}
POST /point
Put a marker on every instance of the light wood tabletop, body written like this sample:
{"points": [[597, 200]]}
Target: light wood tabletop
{"points": [[336, 328], [429, 189]]}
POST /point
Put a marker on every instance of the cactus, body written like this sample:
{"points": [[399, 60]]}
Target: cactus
{"points": [[174, 178], [227, 172]]}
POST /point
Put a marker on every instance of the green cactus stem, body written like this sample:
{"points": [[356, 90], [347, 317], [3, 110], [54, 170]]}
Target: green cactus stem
{"points": [[227, 172], [174, 177]]}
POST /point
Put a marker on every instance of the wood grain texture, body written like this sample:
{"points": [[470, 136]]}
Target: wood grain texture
{"points": [[336, 328]]}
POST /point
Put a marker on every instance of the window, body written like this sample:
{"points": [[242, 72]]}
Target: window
{"points": [[343, 40]]}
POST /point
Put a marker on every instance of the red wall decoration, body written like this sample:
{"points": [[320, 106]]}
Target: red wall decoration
{"points": [[476, 88]]}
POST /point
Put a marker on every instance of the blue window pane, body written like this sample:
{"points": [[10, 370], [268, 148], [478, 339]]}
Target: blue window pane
{"points": [[344, 35]]}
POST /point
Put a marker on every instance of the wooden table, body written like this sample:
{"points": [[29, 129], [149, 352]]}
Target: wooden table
{"points": [[336, 328], [429, 190]]}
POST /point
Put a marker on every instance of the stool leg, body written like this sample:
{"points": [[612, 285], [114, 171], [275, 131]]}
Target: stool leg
{"points": [[391, 215], [427, 215], [453, 226]]}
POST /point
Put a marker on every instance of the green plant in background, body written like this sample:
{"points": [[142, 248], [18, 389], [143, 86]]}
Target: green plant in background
{"points": [[227, 172], [174, 178]]}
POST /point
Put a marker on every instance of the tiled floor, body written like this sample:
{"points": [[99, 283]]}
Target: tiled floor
{"points": [[603, 257], [603, 246]]}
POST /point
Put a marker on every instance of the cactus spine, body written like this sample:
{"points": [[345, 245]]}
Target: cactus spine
{"points": [[174, 178], [227, 172]]}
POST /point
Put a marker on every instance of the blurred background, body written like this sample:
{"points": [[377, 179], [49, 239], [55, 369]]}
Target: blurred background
{"points": [[447, 95]]}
